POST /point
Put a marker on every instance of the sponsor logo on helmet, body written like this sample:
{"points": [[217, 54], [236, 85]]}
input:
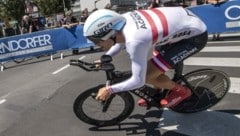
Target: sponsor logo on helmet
{"points": [[103, 29], [101, 24], [138, 20]]}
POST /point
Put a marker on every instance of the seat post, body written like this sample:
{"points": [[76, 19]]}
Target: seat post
{"points": [[178, 71]]}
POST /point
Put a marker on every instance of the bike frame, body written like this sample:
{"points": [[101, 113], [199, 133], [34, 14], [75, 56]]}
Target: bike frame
{"points": [[147, 92], [203, 96]]}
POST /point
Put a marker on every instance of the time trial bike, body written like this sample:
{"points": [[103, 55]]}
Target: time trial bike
{"points": [[208, 87]]}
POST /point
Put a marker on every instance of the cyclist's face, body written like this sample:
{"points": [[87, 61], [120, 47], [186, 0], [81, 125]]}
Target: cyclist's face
{"points": [[105, 45]]}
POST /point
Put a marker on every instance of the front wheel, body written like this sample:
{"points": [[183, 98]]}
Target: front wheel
{"points": [[116, 109], [209, 86]]}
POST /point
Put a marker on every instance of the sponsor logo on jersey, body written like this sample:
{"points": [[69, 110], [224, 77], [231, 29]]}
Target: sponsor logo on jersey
{"points": [[138, 20], [182, 34], [182, 55], [162, 42]]}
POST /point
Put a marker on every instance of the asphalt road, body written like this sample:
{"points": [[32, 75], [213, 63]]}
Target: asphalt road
{"points": [[36, 98]]}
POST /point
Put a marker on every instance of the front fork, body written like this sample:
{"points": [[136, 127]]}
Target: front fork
{"points": [[106, 103]]}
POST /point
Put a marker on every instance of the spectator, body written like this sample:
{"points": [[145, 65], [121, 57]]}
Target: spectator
{"points": [[62, 21], [69, 22], [153, 4], [108, 6], [216, 36], [215, 1], [84, 15], [27, 25], [3, 27], [41, 23]]}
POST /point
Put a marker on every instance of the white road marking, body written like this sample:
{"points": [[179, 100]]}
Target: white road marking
{"points": [[3, 101], [212, 61], [82, 57], [238, 116], [235, 85], [61, 69], [221, 49], [224, 42], [3, 98], [172, 127], [66, 66], [226, 34]]}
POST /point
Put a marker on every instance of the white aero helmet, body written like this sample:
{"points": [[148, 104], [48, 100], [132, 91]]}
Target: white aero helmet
{"points": [[102, 24]]}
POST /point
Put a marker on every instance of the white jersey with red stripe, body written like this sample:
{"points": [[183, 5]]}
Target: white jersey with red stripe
{"points": [[145, 29]]}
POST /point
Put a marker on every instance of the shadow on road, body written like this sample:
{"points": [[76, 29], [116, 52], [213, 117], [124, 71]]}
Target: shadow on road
{"points": [[207, 123]]}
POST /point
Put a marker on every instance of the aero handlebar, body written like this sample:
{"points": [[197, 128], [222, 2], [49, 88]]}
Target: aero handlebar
{"points": [[105, 64], [84, 65]]}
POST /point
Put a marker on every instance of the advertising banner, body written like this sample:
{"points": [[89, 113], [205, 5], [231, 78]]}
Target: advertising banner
{"points": [[221, 17], [42, 42]]}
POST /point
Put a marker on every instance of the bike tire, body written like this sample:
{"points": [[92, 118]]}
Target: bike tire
{"points": [[81, 102], [209, 85]]}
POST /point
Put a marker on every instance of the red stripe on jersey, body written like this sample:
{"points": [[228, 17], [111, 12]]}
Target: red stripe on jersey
{"points": [[163, 21], [152, 24], [160, 58], [154, 63]]}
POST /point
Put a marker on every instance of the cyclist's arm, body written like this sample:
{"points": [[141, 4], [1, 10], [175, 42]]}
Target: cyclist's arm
{"points": [[138, 53], [115, 49]]}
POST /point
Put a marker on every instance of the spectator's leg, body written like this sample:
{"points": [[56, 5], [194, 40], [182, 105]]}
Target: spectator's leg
{"points": [[218, 37], [75, 52], [214, 37], [91, 48]]}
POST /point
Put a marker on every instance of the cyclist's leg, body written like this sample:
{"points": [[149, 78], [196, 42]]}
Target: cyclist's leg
{"points": [[165, 59], [157, 77], [178, 52]]}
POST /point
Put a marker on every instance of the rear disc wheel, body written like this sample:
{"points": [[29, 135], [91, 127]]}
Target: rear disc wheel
{"points": [[209, 87]]}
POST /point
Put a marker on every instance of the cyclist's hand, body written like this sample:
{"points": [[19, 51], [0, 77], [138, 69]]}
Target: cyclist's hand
{"points": [[103, 94]]}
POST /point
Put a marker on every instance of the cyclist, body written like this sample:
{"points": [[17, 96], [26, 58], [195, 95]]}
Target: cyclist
{"points": [[140, 32]]}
